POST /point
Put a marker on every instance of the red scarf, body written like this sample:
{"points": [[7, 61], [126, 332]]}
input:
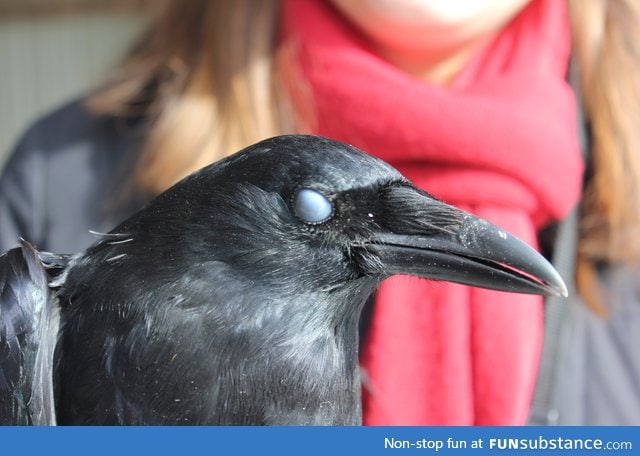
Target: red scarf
{"points": [[500, 142]]}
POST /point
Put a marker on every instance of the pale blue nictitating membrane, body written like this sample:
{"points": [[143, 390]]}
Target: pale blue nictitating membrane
{"points": [[312, 206]]}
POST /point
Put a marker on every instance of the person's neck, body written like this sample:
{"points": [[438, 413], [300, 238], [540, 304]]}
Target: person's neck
{"points": [[436, 67]]}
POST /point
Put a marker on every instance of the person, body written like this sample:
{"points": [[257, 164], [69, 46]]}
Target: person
{"points": [[468, 99]]}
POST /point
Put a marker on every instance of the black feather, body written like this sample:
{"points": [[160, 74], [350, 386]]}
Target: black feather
{"points": [[28, 332]]}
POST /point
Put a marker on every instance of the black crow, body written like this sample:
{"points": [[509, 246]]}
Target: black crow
{"points": [[28, 331], [234, 297]]}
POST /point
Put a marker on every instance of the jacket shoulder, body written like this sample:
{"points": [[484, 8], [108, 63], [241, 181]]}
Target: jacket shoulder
{"points": [[65, 125]]}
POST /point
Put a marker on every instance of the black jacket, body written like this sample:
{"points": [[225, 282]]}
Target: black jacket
{"points": [[68, 175]]}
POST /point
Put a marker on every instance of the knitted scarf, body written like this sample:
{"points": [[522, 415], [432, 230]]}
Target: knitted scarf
{"points": [[500, 142]]}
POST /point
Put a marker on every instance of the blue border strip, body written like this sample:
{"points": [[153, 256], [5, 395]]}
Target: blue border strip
{"points": [[178, 441]]}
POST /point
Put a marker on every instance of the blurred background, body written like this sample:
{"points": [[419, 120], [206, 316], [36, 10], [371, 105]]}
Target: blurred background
{"points": [[52, 51]]}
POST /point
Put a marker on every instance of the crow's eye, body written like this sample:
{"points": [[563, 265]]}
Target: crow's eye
{"points": [[312, 206]]}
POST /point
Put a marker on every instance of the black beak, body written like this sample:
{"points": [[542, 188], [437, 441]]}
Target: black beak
{"points": [[425, 237]]}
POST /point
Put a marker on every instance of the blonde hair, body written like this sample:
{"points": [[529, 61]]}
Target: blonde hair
{"points": [[606, 42], [209, 78], [204, 77]]}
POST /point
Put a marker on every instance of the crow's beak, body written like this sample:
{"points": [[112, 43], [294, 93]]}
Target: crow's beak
{"points": [[424, 237]]}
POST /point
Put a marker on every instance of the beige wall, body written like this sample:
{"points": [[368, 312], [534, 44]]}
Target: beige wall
{"points": [[48, 59]]}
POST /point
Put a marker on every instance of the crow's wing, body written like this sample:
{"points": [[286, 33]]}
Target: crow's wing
{"points": [[29, 322]]}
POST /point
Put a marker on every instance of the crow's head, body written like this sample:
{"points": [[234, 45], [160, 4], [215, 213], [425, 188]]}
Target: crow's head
{"points": [[300, 213]]}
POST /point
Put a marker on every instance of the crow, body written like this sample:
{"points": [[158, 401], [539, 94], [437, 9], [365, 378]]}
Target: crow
{"points": [[234, 297]]}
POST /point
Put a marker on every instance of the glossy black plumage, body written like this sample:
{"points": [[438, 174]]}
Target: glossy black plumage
{"points": [[227, 300], [28, 331]]}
